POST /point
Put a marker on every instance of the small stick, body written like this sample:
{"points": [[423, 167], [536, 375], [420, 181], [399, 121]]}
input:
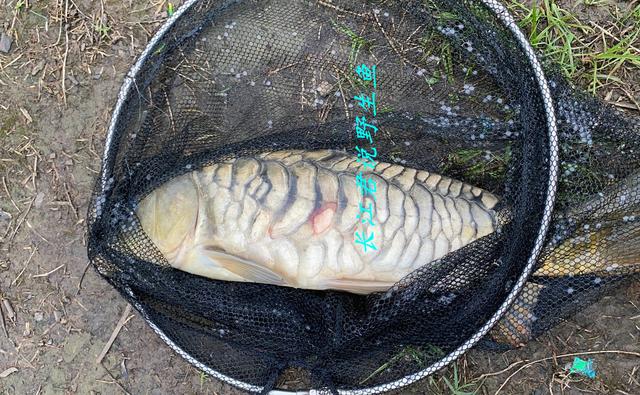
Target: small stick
{"points": [[10, 313], [4, 326], [34, 173], [73, 208], [272, 72], [24, 268], [500, 372], [15, 230], [36, 232], [329, 5], [389, 40], [116, 381], [48, 273], [4, 183], [123, 320], [84, 272]]}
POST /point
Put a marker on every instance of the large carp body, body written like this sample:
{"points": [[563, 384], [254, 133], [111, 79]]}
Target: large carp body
{"points": [[289, 217]]}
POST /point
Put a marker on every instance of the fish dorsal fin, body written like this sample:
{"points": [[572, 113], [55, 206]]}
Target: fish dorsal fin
{"points": [[249, 271], [357, 286]]}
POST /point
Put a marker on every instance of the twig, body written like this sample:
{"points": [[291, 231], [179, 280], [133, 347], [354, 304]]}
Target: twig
{"points": [[336, 8], [173, 123], [500, 372], [48, 273], [25, 267], [11, 314], [4, 326], [66, 52], [272, 72], [84, 272], [73, 208], [4, 183], [114, 380], [123, 320], [24, 216], [635, 354], [390, 41], [36, 232]]}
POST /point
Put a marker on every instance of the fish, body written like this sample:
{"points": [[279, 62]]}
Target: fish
{"points": [[289, 218], [605, 242]]}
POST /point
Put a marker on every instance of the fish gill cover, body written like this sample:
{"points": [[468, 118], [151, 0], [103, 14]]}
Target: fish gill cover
{"points": [[458, 101]]}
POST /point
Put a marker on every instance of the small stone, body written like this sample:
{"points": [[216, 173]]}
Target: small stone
{"points": [[38, 316], [5, 43], [39, 199], [4, 216], [37, 68]]}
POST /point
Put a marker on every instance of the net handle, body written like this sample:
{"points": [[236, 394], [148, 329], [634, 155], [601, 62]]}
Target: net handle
{"points": [[507, 20]]}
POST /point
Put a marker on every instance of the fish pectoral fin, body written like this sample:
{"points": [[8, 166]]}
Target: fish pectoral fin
{"points": [[358, 286], [250, 271]]}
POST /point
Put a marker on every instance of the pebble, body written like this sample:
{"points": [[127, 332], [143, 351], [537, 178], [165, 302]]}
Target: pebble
{"points": [[38, 316], [4, 216], [39, 199], [37, 68], [5, 43]]}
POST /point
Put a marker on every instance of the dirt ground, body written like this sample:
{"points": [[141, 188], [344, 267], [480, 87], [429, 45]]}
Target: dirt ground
{"points": [[58, 85]]}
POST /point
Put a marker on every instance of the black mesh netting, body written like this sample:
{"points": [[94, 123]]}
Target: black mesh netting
{"points": [[457, 96]]}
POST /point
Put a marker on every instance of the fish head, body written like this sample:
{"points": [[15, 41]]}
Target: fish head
{"points": [[169, 215]]}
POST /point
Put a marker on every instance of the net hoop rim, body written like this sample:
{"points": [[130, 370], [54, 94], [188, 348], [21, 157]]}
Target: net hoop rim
{"points": [[507, 20]]}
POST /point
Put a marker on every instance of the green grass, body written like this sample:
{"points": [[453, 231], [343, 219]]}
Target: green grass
{"points": [[452, 383], [606, 62], [477, 166], [203, 378], [552, 30], [357, 42], [434, 45], [20, 4], [417, 355], [103, 30], [580, 49], [457, 387]]}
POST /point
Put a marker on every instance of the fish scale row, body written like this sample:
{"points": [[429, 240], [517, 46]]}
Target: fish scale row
{"points": [[250, 182]]}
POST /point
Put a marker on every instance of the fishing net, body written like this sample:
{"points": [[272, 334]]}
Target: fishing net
{"points": [[459, 93]]}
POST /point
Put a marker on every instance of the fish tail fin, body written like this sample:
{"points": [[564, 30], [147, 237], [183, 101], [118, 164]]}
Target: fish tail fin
{"points": [[605, 238], [613, 249]]}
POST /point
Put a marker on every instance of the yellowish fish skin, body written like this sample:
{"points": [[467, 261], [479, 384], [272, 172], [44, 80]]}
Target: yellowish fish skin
{"points": [[289, 218], [598, 249]]}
